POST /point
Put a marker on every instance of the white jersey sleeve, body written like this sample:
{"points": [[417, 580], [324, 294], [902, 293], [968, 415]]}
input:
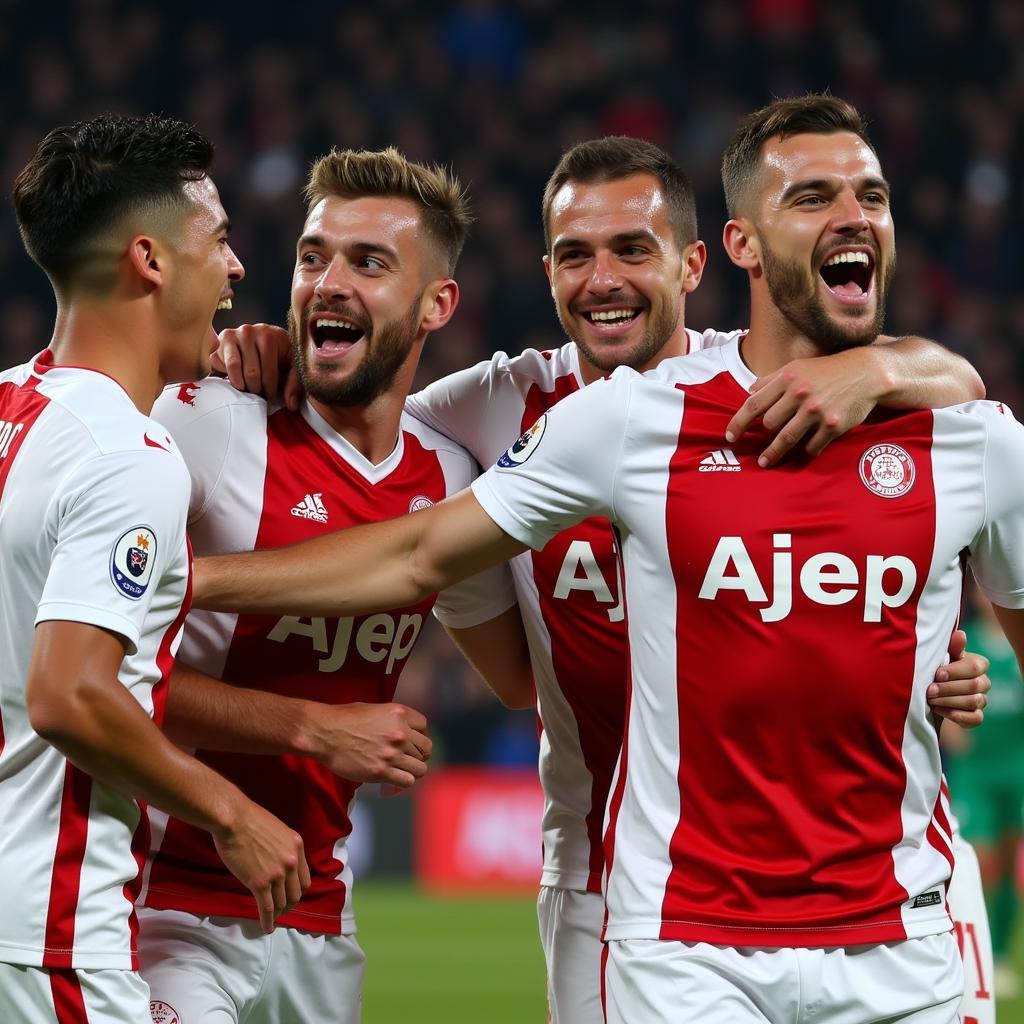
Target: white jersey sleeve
{"points": [[120, 523], [562, 469], [469, 405], [997, 553], [204, 422]]}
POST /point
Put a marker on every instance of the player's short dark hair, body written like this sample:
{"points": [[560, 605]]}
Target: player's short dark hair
{"points": [[86, 177], [444, 203], [620, 156], [813, 113]]}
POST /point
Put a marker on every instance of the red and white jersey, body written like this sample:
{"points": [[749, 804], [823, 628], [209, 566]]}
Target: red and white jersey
{"points": [[262, 478], [93, 498], [569, 597], [768, 791]]}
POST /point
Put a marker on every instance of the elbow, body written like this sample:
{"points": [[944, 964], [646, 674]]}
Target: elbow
{"points": [[976, 385], [51, 717], [59, 715], [520, 702], [519, 694], [422, 580]]}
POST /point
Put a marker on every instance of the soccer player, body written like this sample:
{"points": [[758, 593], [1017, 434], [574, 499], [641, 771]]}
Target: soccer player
{"points": [[774, 841], [623, 253], [372, 278], [124, 219]]}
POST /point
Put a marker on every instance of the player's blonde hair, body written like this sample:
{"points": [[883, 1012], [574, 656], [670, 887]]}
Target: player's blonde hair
{"points": [[442, 199]]}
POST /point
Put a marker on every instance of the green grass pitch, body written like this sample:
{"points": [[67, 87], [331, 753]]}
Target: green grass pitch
{"points": [[473, 960], [470, 960]]}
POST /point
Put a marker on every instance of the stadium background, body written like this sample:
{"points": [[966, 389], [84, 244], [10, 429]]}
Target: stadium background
{"points": [[498, 90]]}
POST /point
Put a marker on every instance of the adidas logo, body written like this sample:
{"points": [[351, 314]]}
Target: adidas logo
{"points": [[311, 507], [721, 460]]}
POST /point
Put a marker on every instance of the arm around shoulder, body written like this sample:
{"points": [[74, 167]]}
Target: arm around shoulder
{"points": [[916, 373]]}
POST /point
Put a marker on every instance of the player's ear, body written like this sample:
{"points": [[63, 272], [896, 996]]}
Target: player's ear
{"points": [[440, 302], [547, 268], [145, 259], [741, 243], [695, 257]]}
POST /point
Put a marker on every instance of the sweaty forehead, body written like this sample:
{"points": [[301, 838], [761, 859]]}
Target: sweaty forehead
{"points": [[389, 220], [811, 157], [207, 210], [629, 204]]}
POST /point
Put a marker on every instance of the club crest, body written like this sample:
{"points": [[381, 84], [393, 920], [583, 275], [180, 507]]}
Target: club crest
{"points": [[163, 1013], [887, 470], [131, 561], [525, 446], [420, 502]]}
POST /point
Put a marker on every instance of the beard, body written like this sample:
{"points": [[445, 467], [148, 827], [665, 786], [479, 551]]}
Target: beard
{"points": [[660, 327], [387, 348], [797, 298]]}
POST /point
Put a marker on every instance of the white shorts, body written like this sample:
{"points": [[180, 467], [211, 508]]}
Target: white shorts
{"points": [[42, 996], [222, 970], [570, 932], [654, 981], [967, 907]]}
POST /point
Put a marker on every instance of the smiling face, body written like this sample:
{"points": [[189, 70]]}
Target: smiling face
{"points": [[199, 282], [825, 236], [358, 290], [617, 274]]}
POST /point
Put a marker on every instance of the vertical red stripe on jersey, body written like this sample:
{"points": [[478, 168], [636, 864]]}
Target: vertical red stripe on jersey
{"points": [[67, 868], [940, 831], [19, 409], [577, 579], [165, 653], [360, 659], [68, 1001], [793, 700]]}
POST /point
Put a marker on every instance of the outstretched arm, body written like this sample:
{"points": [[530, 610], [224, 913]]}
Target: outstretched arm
{"points": [[363, 569], [362, 742], [818, 399]]}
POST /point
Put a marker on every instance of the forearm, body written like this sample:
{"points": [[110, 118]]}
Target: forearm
{"points": [[104, 732], [914, 373], [354, 571], [206, 713], [359, 570]]}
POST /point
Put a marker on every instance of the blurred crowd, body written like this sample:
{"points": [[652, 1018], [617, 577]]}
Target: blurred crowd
{"points": [[498, 90]]}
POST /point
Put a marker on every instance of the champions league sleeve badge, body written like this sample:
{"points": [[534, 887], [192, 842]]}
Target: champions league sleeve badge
{"points": [[525, 446], [131, 561]]}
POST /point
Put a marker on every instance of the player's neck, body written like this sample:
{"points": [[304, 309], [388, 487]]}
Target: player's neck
{"points": [[114, 343], [773, 341], [371, 429]]}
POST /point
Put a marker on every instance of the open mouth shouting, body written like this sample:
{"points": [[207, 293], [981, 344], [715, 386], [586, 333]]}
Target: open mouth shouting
{"points": [[849, 276], [334, 334]]}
